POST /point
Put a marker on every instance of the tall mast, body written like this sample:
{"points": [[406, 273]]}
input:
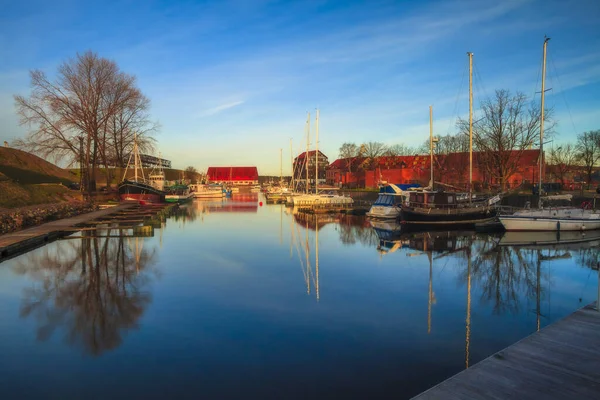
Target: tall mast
{"points": [[470, 125], [307, 145], [542, 124], [292, 164], [431, 143], [280, 166], [317, 154], [135, 156]]}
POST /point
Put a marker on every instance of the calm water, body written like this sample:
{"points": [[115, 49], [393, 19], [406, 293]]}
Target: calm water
{"points": [[223, 302]]}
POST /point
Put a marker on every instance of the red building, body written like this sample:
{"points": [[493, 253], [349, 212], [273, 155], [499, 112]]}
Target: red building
{"points": [[233, 175], [452, 169]]}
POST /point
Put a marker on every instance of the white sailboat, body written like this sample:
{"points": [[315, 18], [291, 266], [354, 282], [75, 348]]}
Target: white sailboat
{"points": [[309, 199], [550, 218]]}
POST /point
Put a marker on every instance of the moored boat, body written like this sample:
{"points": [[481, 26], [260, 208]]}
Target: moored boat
{"points": [[389, 202], [207, 191], [139, 189]]}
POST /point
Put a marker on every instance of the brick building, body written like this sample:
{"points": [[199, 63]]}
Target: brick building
{"points": [[239, 176]]}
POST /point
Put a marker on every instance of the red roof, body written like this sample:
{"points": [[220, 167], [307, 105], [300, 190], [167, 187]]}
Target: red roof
{"points": [[311, 153], [218, 174]]}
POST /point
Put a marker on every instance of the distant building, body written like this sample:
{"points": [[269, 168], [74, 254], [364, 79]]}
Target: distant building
{"points": [[451, 169], [300, 166], [233, 175]]}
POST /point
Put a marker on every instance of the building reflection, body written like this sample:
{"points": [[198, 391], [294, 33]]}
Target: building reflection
{"points": [[92, 289]]}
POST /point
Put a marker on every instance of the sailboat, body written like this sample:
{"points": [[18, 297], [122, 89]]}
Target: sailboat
{"points": [[550, 218], [311, 199], [439, 208], [138, 189]]}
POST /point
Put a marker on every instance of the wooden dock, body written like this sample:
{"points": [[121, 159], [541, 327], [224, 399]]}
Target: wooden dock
{"points": [[562, 361], [12, 244]]}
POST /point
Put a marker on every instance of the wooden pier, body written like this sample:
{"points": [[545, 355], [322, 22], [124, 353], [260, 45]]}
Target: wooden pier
{"points": [[12, 244], [562, 361]]}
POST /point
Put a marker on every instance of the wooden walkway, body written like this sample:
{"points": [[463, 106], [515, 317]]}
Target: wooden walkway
{"points": [[562, 361], [15, 243]]}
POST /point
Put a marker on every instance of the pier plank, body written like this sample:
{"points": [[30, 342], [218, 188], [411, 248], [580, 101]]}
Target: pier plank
{"points": [[558, 362]]}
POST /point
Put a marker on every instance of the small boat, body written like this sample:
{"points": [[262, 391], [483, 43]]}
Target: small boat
{"points": [[552, 219], [178, 193], [200, 191], [389, 202]]}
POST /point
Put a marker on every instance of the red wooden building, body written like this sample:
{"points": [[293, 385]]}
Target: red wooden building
{"points": [[233, 175]]}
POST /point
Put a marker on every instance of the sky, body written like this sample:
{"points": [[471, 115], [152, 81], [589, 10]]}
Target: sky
{"points": [[231, 81]]}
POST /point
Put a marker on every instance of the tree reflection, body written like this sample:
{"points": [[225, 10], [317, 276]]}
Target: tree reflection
{"points": [[93, 288]]}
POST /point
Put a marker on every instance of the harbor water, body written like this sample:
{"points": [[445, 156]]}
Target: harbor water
{"points": [[235, 299]]}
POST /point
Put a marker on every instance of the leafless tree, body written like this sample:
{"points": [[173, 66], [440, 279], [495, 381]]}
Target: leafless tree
{"points": [[349, 152], [69, 117], [191, 173], [508, 128], [399, 150], [562, 161], [588, 148], [372, 151]]}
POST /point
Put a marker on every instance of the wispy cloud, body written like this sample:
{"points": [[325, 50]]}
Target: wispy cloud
{"points": [[215, 110]]}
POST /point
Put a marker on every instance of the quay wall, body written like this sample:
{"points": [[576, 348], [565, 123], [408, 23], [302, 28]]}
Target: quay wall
{"points": [[17, 219]]}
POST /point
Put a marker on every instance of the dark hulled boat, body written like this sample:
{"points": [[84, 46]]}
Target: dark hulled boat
{"points": [[130, 190], [138, 189], [438, 209]]}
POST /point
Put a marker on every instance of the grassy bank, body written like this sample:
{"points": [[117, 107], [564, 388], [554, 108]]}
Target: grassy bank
{"points": [[17, 195]]}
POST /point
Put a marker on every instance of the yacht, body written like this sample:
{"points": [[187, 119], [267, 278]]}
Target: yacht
{"points": [[389, 202]]}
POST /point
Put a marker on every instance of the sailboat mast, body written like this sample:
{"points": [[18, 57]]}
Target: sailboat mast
{"points": [[307, 146], [470, 126], [292, 164], [431, 143], [280, 166], [542, 123], [135, 157], [317, 154]]}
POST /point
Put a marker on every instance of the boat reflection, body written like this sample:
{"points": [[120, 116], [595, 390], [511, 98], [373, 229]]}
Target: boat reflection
{"points": [[92, 290]]}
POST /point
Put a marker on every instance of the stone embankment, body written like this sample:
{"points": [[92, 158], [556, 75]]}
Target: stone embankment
{"points": [[16, 219]]}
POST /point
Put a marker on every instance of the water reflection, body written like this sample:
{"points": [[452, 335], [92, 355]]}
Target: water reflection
{"points": [[92, 290]]}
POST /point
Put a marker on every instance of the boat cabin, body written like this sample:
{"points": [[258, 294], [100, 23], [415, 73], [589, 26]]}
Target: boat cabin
{"points": [[425, 199]]}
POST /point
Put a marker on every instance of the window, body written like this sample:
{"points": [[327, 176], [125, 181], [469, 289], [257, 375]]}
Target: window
{"points": [[450, 199]]}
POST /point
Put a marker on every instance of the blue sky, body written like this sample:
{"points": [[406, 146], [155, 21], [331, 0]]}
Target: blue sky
{"points": [[231, 81]]}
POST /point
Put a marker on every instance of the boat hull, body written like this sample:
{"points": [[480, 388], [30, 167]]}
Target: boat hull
{"points": [[384, 212], [522, 223], [134, 191], [440, 217]]}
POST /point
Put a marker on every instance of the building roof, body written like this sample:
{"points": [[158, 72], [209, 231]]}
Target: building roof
{"points": [[232, 173], [311, 153]]}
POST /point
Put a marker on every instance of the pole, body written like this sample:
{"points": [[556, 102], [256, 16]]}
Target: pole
{"points": [[317, 154], [307, 146], [135, 157], [540, 178], [292, 164], [281, 167], [470, 125], [431, 143]]}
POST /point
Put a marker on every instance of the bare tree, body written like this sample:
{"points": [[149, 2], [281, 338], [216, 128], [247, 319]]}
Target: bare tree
{"points": [[349, 152], [508, 128], [399, 150], [372, 151], [191, 173], [562, 161], [588, 148], [69, 116]]}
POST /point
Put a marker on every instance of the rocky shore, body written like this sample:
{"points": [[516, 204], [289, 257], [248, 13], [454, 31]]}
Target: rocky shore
{"points": [[20, 218]]}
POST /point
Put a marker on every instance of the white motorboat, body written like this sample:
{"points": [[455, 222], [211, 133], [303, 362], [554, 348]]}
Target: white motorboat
{"points": [[389, 202], [552, 219], [207, 191]]}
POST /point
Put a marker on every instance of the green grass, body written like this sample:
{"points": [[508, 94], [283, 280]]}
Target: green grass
{"points": [[26, 177], [13, 195]]}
